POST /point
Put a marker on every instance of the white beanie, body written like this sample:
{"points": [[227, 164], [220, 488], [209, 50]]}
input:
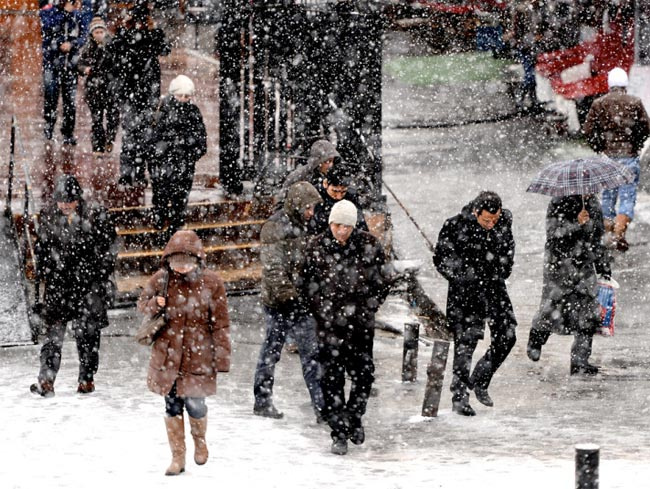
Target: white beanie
{"points": [[181, 85], [344, 212], [617, 78]]}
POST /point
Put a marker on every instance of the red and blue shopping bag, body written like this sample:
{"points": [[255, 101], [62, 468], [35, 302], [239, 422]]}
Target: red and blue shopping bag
{"points": [[607, 301]]}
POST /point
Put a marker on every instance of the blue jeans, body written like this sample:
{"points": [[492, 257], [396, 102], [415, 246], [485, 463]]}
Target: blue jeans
{"points": [[626, 194], [174, 405], [303, 329]]}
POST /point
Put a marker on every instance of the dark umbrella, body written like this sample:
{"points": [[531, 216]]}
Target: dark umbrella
{"points": [[581, 176]]}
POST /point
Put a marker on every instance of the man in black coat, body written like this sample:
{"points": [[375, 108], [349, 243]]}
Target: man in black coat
{"points": [[75, 256], [134, 55], [475, 253], [345, 279]]}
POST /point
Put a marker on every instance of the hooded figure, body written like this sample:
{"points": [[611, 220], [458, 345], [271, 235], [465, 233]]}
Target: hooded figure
{"points": [[322, 156], [75, 254], [283, 237], [345, 279], [574, 254], [178, 141], [193, 347], [475, 253]]}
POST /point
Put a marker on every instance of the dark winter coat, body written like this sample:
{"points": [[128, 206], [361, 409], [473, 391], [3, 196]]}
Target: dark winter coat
{"points": [[320, 221], [476, 263], [573, 255], [179, 140], [73, 258], [59, 26], [344, 285], [195, 345], [94, 56], [617, 125], [284, 236], [136, 69]]}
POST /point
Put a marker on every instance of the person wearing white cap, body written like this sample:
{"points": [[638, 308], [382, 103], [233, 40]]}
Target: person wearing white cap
{"points": [[179, 140], [617, 125], [345, 279]]}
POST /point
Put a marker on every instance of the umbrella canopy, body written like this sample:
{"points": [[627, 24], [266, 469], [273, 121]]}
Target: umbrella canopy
{"points": [[581, 176]]}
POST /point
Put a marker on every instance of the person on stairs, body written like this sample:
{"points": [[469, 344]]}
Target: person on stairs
{"points": [[193, 346]]}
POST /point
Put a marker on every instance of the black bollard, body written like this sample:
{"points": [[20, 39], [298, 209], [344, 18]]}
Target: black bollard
{"points": [[435, 376], [587, 460], [410, 354]]}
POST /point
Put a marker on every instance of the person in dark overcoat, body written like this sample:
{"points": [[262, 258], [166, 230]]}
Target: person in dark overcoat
{"points": [[75, 255], [98, 89], [134, 53], [574, 255], [345, 279], [179, 140], [475, 253], [195, 344]]}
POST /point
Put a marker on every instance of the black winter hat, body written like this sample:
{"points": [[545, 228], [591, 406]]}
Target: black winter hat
{"points": [[67, 189]]}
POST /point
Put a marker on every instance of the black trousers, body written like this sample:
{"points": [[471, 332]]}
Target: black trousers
{"points": [[137, 118], [59, 80], [502, 339], [355, 358], [86, 327], [102, 107], [169, 199]]}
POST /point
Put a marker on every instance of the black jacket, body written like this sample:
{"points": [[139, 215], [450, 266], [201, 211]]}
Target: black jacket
{"points": [[345, 285], [94, 56], [574, 254], [476, 262], [179, 140], [72, 257], [135, 67]]}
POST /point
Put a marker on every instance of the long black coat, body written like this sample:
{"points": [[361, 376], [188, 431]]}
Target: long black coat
{"points": [[476, 262], [179, 140], [98, 81], [573, 255], [136, 70], [74, 258], [345, 285]]}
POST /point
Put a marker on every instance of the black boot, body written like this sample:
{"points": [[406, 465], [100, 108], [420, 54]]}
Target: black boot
{"points": [[534, 347], [483, 396], [339, 446], [580, 353], [357, 433], [463, 408], [585, 369], [267, 411]]}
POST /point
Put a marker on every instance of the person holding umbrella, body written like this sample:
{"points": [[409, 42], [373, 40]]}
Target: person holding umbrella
{"points": [[574, 255]]}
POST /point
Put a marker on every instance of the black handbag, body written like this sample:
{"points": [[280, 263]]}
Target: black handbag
{"points": [[151, 326]]}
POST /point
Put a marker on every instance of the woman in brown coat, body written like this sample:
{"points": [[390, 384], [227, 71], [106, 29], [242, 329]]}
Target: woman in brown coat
{"points": [[193, 347]]}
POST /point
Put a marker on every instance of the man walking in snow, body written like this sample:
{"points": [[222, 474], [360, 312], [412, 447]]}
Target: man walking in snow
{"points": [[75, 257], [475, 253], [345, 279], [284, 237], [618, 125]]}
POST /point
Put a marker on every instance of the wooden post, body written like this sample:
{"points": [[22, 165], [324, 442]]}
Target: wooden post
{"points": [[410, 353], [587, 460], [435, 377]]}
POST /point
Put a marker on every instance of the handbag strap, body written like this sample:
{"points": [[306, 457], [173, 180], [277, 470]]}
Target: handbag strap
{"points": [[165, 287]]}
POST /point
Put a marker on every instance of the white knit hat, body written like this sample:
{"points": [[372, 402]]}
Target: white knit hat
{"points": [[181, 85], [344, 212], [617, 78]]}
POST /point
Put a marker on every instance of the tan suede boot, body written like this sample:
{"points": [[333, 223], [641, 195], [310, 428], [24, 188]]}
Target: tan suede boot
{"points": [[198, 428], [620, 226], [176, 435]]}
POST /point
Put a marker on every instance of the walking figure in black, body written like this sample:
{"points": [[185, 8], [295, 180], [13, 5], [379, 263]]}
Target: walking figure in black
{"points": [[475, 253]]}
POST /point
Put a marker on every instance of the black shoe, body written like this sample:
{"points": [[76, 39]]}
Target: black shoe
{"points": [[534, 351], [268, 412], [357, 435], [585, 369], [463, 408], [483, 396], [70, 140], [339, 446], [43, 389]]}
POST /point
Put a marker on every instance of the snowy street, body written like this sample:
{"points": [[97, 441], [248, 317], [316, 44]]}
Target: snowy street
{"points": [[116, 436]]}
